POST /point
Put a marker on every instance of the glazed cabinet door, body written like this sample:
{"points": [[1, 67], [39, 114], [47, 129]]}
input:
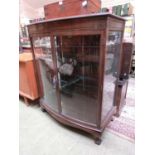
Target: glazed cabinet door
{"points": [[47, 73], [111, 70], [78, 75]]}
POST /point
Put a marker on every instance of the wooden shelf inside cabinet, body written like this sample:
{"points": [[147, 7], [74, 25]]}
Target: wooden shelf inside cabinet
{"points": [[27, 79], [89, 58]]}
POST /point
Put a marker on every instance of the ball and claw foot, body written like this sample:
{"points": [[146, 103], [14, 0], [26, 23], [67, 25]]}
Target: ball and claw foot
{"points": [[98, 141], [43, 110], [112, 119], [117, 114]]}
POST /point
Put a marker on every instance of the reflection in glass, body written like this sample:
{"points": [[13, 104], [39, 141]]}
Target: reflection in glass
{"points": [[42, 49], [77, 62], [111, 70]]}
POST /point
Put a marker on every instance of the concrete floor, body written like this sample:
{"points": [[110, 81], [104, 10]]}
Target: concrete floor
{"points": [[41, 135]]}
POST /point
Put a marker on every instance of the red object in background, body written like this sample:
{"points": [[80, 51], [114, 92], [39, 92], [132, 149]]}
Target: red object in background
{"points": [[71, 8]]}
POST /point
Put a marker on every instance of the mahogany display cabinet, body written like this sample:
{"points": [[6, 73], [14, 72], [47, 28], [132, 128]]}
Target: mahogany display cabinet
{"points": [[79, 67]]}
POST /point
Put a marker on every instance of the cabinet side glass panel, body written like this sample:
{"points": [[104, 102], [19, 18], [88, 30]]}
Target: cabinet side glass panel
{"points": [[112, 59], [43, 53]]}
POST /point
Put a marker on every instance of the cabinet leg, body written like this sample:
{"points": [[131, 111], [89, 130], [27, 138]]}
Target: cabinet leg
{"points": [[117, 114], [97, 138], [98, 141], [26, 101], [112, 119], [43, 110]]}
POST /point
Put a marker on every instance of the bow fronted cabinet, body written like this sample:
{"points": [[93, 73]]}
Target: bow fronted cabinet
{"points": [[79, 67]]}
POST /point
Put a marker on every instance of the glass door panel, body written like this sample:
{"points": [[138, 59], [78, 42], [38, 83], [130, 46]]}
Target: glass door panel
{"points": [[78, 72], [112, 60], [43, 53]]}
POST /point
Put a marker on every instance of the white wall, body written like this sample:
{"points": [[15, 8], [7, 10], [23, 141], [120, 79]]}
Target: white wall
{"points": [[32, 9], [108, 3]]}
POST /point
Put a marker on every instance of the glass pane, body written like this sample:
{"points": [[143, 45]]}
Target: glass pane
{"points": [[78, 61], [42, 49], [111, 69]]}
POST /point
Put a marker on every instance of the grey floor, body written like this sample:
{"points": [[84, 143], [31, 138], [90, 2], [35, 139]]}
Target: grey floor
{"points": [[40, 134]]}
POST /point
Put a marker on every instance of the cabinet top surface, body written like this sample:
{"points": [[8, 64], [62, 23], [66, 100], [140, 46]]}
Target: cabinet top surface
{"points": [[23, 57], [79, 17]]}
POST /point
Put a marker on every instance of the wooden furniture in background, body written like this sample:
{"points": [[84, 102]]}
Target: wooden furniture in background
{"points": [[79, 67], [28, 87], [122, 85], [127, 53], [71, 8], [120, 96]]}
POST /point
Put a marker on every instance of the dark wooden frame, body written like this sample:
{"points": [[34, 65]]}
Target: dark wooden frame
{"points": [[81, 25]]}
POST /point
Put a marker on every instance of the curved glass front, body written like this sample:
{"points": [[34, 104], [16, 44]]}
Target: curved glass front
{"points": [[78, 72]]}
